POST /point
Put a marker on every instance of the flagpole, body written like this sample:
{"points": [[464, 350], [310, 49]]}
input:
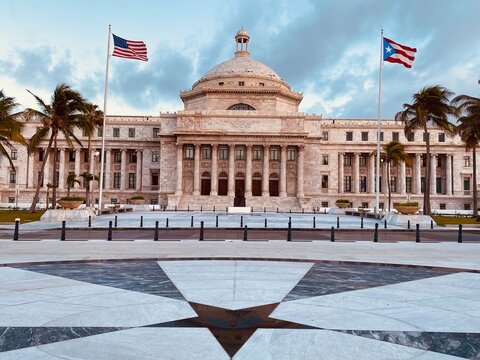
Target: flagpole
{"points": [[377, 184], [105, 95]]}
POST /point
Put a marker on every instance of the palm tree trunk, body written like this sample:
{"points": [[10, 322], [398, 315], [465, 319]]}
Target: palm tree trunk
{"points": [[40, 179], [428, 175], [475, 191], [389, 187], [54, 173]]}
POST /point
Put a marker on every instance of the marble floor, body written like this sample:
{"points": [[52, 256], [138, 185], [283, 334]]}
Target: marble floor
{"points": [[222, 309]]}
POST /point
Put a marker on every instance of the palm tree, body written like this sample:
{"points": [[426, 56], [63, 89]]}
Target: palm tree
{"points": [[87, 178], [60, 116], [71, 180], [469, 130], [430, 106], [393, 151], [10, 126], [91, 119]]}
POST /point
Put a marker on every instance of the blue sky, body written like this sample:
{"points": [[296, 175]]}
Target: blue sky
{"points": [[329, 50]]}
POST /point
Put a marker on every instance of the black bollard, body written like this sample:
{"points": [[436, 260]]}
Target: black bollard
{"points": [[264, 210], [89, 221], [175, 207], [241, 221], [277, 210], [109, 235], [216, 221], [188, 208], [141, 221], [332, 234], [213, 208], [191, 221], [289, 232], [153, 208], [338, 222], [375, 233], [245, 233], [155, 234], [325, 210], [15, 231], [115, 220], [385, 224], [266, 225], [201, 208], [290, 211], [166, 223], [314, 223], [201, 231], [417, 233], [361, 222], [226, 209], [303, 211], [431, 224], [62, 233], [460, 235], [408, 224]]}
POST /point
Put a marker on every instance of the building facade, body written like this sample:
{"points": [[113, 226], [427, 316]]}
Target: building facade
{"points": [[240, 140]]}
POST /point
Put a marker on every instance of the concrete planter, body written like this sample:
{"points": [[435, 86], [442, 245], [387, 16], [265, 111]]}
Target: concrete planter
{"points": [[66, 204], [407, 209], [137, 201]]}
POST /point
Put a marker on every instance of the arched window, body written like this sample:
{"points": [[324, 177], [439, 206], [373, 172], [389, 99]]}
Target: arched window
{"points": [[223, 175], [274, 176], [205, 174], [257, 175], [241, 106], [240, 175]]}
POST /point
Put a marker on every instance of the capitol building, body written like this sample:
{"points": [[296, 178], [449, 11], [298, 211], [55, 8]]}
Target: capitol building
{"points": [[241, 140]]}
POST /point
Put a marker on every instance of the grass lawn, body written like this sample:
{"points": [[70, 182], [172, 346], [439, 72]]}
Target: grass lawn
{"points": [[451, 220], [9, 216]]}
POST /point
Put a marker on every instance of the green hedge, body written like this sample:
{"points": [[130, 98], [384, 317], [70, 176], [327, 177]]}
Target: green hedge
{"points": [[72, 198]]}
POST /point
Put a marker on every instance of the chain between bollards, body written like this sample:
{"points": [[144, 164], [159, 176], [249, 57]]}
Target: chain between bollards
{"points": [[62, 233], [109, 235], [15, 231], [155, 234], [417, 233], [375, 233], [245, 233], [201, 231], [332, 234], [460, 234]]}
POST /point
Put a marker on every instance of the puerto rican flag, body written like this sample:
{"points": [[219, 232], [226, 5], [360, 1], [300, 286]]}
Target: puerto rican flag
{"points": [[395, 53]]}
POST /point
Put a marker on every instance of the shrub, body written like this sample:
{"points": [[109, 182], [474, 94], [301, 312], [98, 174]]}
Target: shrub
{"points": [[72, 198], [414, 203], [137, 197], [342, 201]]}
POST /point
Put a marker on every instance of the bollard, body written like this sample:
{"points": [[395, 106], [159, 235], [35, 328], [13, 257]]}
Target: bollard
{"points": [[332, 234], [385, 224], [165, 208], [266, 222], [289, 232], [241, 221], [201, 208], [213, 208], [141, 221], [62, 233], [277, 210], [338, 222], [115, 220], [375, 233], [216, 221], [303, 211], [15, 231], [155, 234], [109, 235], [290, 211], [89, 221], [361, 222], [408, 224], [175, 207], [314, 224], [226, 209], [166, 223], [314, 211], [188, 208], [417, 233], [201, 231], [325, 211], [460, 235], [191, 221], [153, 208], [264, 210], [431, 224], [245, 233]]}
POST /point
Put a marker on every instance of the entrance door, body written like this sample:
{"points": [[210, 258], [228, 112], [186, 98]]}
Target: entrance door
{"points": [[273, 186], [206, 186], [257, 187], [239, 193], [222, 187]]}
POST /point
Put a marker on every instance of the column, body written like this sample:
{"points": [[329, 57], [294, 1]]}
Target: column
{"points": [[341, 162], [266, 171], [78, 155], [248, 172], [301, 153], [449, 175], [283, 171], [46, 172], [196, 171], [401, 178], [356, 173], [371, 173], [108, 161], [31, 166], [433, 174], [123, 170], [231, 170], [61, 170], [214, 184], [178, 190], [418, 174], [138, 185], [385, 178]]}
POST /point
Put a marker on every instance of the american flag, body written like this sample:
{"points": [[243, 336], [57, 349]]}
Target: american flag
{"points": [[396, 53], [129, 49]]}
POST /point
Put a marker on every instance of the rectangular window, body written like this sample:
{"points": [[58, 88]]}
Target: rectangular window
{"points": [[291, 154], [324, 204], [443, 206], [466, 161], [348, 160], [240, 153], [381, 205], [393, 184], [466, 206], [155, 156], [364, 205], [113, 201], [349, 136], [347, 183], [99, 132], [40, 178], [206, 152], [424, 160], [257, 153], [132, 180], [116, 132], [411, 136], [364, 135], [58, 156], [223, 153], [132, 157], [261, 84], [441, 137], [325, 135], [381, 135], [131, 132], [363, 184], [41, 153], [71, 155], [408, 184], [117, 156], [189, 152], [221, 83], [13, 177], [154, 180], [116, 180], [395, 136], [324, 181], [425, 136], [241, 83], [156, 133], [11, 199], [324, 159], [274, 153], [379, 183], [422, 184], [363, 160], [439, 185], [84, 132], [13, 154], [466, 184], [439, 161]]}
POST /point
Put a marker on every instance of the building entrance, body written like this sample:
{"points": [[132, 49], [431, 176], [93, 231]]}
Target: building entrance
{"points": [[239, 193]]}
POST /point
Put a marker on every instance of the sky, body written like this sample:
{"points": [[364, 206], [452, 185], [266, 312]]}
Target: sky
{"points": [[327, 49]]}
